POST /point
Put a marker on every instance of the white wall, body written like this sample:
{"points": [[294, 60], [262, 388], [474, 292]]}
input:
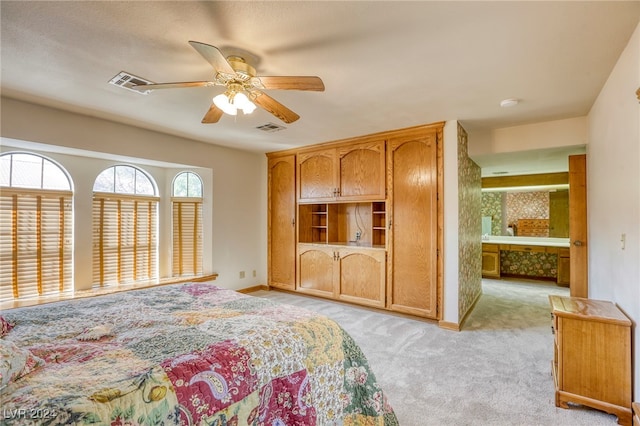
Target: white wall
{"points": [[451, 223], [613, 191], [549, 134], [236, 240]]}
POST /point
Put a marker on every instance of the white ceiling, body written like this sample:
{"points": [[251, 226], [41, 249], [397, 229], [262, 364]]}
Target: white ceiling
{"points": [[385, 65]]}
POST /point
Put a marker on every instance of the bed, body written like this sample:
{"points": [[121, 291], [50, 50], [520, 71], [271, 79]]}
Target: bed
{"points": [[183, 354]]}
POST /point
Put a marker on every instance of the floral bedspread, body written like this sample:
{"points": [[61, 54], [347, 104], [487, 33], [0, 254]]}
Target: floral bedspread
{"points": [[188, 354]]}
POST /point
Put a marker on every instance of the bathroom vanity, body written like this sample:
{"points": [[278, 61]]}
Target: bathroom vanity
{"points": [[526, 257]]}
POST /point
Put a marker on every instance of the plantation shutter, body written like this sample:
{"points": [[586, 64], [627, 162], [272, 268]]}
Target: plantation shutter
{"points": [[124, 238], [187, 236], [35, 243]]}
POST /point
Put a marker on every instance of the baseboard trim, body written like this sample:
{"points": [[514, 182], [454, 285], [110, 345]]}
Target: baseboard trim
{"points": [[253, 289], [455, 326], [447, 325], [471, 308]]}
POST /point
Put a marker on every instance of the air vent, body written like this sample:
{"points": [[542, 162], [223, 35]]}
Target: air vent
{"points": [[127, 81], [270, 127]]}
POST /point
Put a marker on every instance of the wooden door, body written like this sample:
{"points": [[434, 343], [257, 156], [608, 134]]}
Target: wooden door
{"points": [[578, 253], [559, 214], [362, 171], [281, 219], [362, 276], [316, 271], [317, 176], [412, 277]]}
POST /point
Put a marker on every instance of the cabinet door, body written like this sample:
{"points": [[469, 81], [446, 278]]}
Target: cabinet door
{"points": [[316, 270], [412, 278], [490, 264], [362, 276], [564, 263], [362, 171], [281, 218], [317, 175]]}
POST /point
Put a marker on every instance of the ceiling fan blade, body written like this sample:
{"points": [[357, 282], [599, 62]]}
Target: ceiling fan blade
{"points": [[154, 86], [213, 115], [292, 83], [214, 57], [274, 107]]}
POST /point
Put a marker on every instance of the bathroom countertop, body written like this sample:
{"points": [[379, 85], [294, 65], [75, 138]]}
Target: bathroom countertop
{"points": [[528, 241]]}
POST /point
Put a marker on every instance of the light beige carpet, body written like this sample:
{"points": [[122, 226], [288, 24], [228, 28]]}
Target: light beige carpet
{"points": [[496, 371]]}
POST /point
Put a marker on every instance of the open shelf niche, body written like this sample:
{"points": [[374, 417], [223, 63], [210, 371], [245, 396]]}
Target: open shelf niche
{"points": [[359, 224]]}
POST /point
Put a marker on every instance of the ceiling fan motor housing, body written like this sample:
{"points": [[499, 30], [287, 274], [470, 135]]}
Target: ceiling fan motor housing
{"points": [[243, 70]]}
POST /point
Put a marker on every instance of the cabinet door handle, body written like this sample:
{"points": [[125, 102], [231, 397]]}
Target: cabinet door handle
{"points": [[293, 222], [577, 243]]}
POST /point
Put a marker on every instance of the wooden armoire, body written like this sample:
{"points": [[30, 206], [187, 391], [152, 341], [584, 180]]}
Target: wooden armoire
{"points": [[360, 220]]}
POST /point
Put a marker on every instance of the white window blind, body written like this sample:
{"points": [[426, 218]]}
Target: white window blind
{"points": [[124, 238], [187, 236], [35, 242]]}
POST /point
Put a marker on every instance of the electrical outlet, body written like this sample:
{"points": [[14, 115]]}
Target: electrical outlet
{"points": [[241, 274], [254, 273], [358, 234]]}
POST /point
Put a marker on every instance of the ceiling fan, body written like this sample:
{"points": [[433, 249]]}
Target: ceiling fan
{"points": [[243, 88]]}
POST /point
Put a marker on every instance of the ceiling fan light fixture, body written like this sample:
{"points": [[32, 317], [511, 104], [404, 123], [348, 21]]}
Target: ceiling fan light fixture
{"points": [[222, 102], [231, 102], [241, 101]]}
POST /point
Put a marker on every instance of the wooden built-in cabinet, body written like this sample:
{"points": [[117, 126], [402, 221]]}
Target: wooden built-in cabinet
{"points": [[346, 273], [368, 222], [282, 222], [351, 172], [592, 355], [413, 227]]}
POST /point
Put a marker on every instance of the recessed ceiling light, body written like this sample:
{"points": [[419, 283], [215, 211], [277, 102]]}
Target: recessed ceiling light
{"points": [[507, 103]]}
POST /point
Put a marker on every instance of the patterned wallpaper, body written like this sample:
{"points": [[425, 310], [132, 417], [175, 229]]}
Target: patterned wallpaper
{"points": [[540, 265], [527, 205], [492, 206], [469, 228]]}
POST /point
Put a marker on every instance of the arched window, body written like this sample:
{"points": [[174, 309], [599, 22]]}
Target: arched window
{"points": [[125, 210], [186, 205], [36, 227]]}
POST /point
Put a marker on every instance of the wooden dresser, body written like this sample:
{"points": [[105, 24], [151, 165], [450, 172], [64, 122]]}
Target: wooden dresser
{"points": [[592, 355]]}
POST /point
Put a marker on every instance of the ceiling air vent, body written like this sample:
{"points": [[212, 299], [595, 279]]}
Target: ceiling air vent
{"points": [[127, 81], [270, 127]]}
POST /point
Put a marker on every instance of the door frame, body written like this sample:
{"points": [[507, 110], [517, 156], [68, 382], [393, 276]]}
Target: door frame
{"points": [[578, 233]]}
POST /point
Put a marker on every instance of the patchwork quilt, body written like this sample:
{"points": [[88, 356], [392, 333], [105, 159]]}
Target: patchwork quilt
{"points": [[185, 354]]}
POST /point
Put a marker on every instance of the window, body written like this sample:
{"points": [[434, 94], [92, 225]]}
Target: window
{"points": [[36, 226], [125, 209], [186, 204]]}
